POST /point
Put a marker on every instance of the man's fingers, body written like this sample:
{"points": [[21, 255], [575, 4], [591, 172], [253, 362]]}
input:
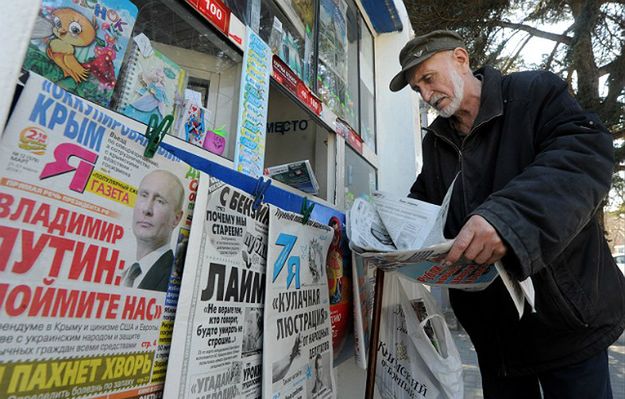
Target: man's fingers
{"points": [[484, 257], [498, 253], [460, 245], [478, 242], [475, 250]]}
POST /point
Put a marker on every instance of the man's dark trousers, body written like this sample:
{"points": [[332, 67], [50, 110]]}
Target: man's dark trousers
{"points": [[584, 380]]}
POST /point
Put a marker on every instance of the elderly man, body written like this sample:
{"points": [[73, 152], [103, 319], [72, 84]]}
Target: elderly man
{"points": [[157, 212], [533, 168]]}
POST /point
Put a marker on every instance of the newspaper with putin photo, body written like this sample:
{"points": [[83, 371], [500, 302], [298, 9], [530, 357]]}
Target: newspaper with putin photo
{"points": [[91, 238]]}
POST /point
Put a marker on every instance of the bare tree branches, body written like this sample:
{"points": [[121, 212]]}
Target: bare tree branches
{"points": [[558, 38], [590, 50]]}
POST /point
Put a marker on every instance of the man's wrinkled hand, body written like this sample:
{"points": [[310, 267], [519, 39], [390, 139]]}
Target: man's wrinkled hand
{"points": [[478, 242]]}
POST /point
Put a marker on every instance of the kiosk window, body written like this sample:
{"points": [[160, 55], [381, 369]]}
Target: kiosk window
{"points": [[360, 177]]}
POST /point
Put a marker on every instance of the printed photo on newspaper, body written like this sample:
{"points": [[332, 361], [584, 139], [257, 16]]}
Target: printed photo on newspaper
{"points": [[297, 356], [218, 336], [89, 269], [406, 234]]}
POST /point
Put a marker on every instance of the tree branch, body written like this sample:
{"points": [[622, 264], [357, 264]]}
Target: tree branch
{"points": [[608, 68], [511, 60], [537, 32]]}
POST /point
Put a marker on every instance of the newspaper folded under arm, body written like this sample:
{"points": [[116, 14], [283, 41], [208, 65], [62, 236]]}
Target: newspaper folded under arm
{"points": [[405, 234]]}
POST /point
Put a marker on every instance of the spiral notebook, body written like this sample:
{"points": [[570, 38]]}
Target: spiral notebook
{"points": [[151, 84]]}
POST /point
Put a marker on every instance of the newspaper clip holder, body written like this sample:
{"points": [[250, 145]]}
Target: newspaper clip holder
{"points": [[155, 133], [306, 209], [259, 192]]}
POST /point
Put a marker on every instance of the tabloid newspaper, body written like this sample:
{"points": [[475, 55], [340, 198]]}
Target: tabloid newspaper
{"points": [[79, 206], [218, 336], [405, 234], [297, 356]]}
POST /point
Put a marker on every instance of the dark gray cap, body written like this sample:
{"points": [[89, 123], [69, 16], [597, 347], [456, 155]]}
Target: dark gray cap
{"points": [[420, 49]]}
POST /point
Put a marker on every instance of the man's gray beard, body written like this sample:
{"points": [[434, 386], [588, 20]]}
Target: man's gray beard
{"points": [[458, 93]]}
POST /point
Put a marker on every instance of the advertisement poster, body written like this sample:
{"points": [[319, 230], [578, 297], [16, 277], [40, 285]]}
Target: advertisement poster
{"points": [[297, 356], [218, 337], [333, 43], [333, 36], [338, 266], [249, 153], [296, 47], [88, 233]]}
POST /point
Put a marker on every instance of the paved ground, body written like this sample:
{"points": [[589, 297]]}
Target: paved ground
{"points": [[472, 380]]}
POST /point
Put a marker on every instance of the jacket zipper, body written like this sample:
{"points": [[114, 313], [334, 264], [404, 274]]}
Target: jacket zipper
{"points": [[504, 368], [459, 151], [460, 162]]}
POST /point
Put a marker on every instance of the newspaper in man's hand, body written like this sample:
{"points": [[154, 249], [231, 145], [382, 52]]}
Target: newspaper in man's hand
{"points": [[405, 234]]}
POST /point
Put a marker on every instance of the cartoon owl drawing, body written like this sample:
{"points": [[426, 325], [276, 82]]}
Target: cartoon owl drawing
{"points": [[67, 29]]}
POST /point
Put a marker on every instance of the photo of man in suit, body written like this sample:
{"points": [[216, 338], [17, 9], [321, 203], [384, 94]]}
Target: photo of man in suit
{"points": [[320, 389], [157, 212]]}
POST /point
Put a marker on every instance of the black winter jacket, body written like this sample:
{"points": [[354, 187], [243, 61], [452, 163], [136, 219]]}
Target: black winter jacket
{"points": [[537, 167]]}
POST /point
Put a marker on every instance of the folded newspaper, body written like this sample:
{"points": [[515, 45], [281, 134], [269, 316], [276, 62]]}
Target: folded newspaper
{"points": [[405, 234], [299, 175]]}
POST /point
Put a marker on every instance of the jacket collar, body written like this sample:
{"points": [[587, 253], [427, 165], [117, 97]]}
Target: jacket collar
{"points": [[491, 103]]}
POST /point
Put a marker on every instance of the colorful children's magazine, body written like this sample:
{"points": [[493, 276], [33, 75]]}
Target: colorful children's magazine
{"points": [[80, 45], [151, 84]]}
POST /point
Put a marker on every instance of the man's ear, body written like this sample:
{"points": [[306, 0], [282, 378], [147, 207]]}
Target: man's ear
{"points": [[178, 217], [461, 57]]}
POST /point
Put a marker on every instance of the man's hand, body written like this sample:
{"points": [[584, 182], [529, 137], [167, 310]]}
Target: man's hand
{"points": [[297, 347], [477, 241]]}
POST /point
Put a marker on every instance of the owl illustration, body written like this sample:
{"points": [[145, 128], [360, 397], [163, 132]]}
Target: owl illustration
{"points": [[66, 30]]}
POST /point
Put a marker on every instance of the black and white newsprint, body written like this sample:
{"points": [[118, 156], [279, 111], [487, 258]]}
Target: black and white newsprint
{"points": [[218, 337], [297, 360]]}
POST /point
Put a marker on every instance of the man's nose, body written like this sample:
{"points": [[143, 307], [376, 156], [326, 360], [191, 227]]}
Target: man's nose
{"points": [[148, 206]]}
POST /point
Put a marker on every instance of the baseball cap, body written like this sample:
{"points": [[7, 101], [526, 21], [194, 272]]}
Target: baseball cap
{"points": [[420, 49]]}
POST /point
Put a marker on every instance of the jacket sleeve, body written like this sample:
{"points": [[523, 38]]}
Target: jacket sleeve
{"points": [[541, 210], [417, 190]]}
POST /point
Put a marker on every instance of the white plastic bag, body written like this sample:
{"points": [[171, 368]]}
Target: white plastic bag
{"points": [[417, 357]]}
